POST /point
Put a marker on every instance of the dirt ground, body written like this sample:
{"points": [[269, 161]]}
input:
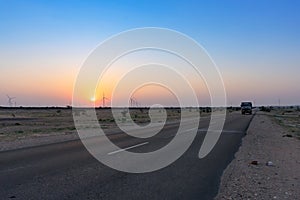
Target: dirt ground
{"points": [[272, 137], [267, 165], [30, 127]]}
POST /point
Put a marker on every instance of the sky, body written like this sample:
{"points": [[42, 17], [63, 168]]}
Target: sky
{"points": [[254, 43]]}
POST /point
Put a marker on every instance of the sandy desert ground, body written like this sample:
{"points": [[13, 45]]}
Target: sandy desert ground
{"points": [[267, 165], [36, 126]]}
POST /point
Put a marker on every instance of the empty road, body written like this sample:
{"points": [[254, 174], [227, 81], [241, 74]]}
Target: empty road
{"points": [[67, 171]]}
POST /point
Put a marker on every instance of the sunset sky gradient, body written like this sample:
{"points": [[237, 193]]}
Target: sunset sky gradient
{"points": [[255, 44]]}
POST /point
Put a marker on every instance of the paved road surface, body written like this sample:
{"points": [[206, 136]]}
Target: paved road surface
{"points": [[67, 171]]}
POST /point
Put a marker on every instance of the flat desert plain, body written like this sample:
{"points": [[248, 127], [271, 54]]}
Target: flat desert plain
{"points": [[22, 127]]}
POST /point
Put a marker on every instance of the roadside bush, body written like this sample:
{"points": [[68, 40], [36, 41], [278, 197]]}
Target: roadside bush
{"points": [[265, 109]]}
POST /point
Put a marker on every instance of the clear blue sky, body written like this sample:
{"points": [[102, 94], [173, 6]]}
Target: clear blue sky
{"points": [[255, 44]]}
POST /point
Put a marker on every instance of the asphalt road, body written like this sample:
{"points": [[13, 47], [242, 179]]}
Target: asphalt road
{"points": [[67, 171]]}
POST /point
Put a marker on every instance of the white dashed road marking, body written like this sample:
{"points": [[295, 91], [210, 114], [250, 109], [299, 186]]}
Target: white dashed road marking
{"points": [[131, 147]]}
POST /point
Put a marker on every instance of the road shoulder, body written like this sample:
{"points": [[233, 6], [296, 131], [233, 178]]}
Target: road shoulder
{"points": [[267, 165]]}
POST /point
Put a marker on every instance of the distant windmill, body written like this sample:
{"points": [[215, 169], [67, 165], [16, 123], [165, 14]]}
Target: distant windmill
{"points": [[10, 101], [133, 102], [103, 100]]}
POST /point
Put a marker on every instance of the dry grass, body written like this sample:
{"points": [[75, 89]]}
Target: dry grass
{"points": [[289, 118], [21, 123], [24, 123]]}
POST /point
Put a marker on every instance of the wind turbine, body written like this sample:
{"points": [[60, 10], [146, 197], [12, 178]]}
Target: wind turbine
{"points": [[133, 102], [10, 102], [103, 100]]}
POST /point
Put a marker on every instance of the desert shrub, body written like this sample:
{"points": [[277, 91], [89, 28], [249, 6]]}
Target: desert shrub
{"points": [[265, 109], [19, 132], [124, 113], [207, 109]]}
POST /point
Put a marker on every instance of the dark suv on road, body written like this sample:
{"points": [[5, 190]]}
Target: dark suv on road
{"points": [[246, 107]]}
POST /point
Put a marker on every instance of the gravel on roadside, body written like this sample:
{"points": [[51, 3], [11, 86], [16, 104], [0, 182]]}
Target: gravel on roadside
{"points": [[266, 166]]}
